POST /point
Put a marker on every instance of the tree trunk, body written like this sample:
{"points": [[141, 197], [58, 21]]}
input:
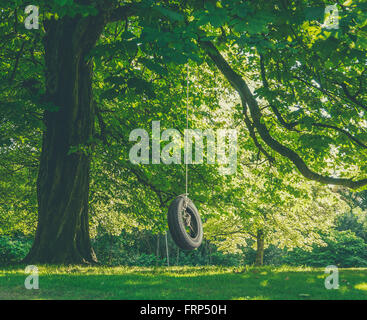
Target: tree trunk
{"points": [[62, 234], [157, 252], [259, 248]]}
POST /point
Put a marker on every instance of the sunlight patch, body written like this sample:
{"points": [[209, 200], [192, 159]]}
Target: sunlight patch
{"points": [[264, 283], [251, 298], [361, 286]]}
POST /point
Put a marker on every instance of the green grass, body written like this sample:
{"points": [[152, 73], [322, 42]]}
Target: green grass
{"points": [[74, 282]]}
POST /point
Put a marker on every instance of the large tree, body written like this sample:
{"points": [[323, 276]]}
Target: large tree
{"points": [[62, 234]]}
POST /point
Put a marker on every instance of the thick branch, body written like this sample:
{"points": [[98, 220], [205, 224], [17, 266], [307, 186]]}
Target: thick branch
{"points": [[243, 90], [252, 133]]}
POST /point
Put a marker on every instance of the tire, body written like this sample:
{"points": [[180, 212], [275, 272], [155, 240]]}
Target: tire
{"points": [[186, 237]]}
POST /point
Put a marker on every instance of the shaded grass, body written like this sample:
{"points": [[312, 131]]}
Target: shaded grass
{"points": [[77, 282]]}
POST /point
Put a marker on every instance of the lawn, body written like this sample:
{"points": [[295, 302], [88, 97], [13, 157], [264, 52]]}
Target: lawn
{"points": [[76, 282]]}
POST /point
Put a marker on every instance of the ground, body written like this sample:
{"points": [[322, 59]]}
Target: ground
{"points": [[76, 282]]}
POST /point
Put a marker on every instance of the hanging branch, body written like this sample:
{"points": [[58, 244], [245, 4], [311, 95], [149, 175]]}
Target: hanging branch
{"points": [[250, 127], [247, 97]]}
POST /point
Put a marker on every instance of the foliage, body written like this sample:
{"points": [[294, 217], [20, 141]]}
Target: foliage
{"points": [[139, 248], [289, 212], [13, 249], [343, 249], [355, 219]]}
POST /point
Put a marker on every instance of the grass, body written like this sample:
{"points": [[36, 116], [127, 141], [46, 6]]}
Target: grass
{"points": [[284, 283]]}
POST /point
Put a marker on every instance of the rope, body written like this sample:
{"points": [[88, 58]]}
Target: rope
{"points": [[187, 123], [167, 250]]}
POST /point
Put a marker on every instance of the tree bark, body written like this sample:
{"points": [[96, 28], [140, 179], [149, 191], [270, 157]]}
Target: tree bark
{"points": [[260, 239], [157, 251], [62, 234]]}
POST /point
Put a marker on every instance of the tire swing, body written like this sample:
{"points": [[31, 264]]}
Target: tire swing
{"points": [[184, 221]]}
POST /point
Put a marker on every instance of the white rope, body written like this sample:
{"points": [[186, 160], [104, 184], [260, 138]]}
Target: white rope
{"points": [[187, 122]]}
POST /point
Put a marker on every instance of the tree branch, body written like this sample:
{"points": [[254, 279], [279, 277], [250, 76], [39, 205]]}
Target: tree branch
{"points": [[247, 97], [252, 133], [291, 125], [285, 124]]}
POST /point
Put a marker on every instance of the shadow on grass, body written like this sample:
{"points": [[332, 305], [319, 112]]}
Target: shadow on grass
{"points": [[180, 283]]}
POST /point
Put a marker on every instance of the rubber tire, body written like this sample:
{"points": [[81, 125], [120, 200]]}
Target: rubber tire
{"points": [[177, 227]]}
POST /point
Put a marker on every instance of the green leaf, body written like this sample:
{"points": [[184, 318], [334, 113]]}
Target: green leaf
{"points": [[362, 42], [153, 66], [347, 3]]}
